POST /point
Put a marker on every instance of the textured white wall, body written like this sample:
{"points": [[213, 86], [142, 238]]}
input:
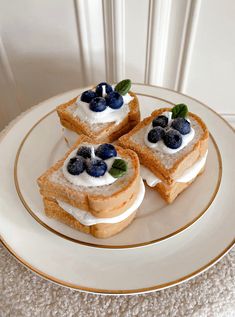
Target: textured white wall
{"points": [[48, 47]]}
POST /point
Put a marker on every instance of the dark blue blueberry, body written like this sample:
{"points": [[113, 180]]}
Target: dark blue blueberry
{"points": [[160, 121], [99, 89], [98, 104], [84, 151], [96, 167], [88, 95], [181, 125], [172, 139], [156, 134], [105, 151], [114, 100], [76, 165]]}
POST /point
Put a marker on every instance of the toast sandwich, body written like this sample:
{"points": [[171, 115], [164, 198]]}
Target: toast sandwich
{"points": [[172, 146], [103, 114], [96, 188]]}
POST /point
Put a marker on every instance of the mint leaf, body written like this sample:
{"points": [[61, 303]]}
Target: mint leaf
{"points": [[118, 168], [123, 87], [180, 110]]}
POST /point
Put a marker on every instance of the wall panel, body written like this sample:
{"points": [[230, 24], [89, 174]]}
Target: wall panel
{"points": [[136, 35], [90, 29], [47, 47], [42, 47], [210, 62], [9, 105]]}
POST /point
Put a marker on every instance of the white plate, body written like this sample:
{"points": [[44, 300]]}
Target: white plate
{"points": [[152, 267], [156, 220]]}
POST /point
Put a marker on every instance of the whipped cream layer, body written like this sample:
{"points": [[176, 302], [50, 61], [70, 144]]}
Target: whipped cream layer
{"points": [[160, 146], [87, 219], [108, 115], [84, 179], [152, 180]]}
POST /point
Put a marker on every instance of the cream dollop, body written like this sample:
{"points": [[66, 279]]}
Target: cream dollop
{"points": [[84, 179], [108, 115], [160, 146], [152, 180], [87, 219]]}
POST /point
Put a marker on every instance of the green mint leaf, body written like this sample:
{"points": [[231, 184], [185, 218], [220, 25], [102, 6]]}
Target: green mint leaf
{"points": [[118, 168], [180, 110], [123, 87]]}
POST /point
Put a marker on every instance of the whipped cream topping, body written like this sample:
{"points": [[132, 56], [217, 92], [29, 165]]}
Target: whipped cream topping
{"points": [[84, 179], [152, 180], [103, 91], [160, 146], [87, 219], [108, 115]]}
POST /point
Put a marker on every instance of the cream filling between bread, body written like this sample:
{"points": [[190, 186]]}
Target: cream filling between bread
{"points": [[84, 179], [87, 219], [152, 180], [108, 115], [160, 146]]}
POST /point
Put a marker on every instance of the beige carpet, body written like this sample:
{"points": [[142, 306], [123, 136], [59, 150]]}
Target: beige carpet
{"points": [[22, 293]]}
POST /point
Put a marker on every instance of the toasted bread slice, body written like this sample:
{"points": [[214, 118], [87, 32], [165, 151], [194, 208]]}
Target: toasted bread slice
{"points": [[102, 230], [102, 201], [167, 167], [101, 132]]}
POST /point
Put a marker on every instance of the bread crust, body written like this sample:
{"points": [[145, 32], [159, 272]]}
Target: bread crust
{"points": [[108, 132], [102, 230], [169, 193], [151, 160], [99, 205]]}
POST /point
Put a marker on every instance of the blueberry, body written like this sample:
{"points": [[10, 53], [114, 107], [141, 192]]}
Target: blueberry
{"points": [[88, 95], [114, 100], [181, 125], [76, 165], [96, 167], [172, 139], [84, 151], [99, 89], [105, 151], [160, 121], [98, 104], [156, 134]]}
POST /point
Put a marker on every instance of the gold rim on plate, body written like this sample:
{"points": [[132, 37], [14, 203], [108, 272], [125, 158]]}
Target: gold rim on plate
{"points": [[118, 292], [32, 213], [147, 289]]}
